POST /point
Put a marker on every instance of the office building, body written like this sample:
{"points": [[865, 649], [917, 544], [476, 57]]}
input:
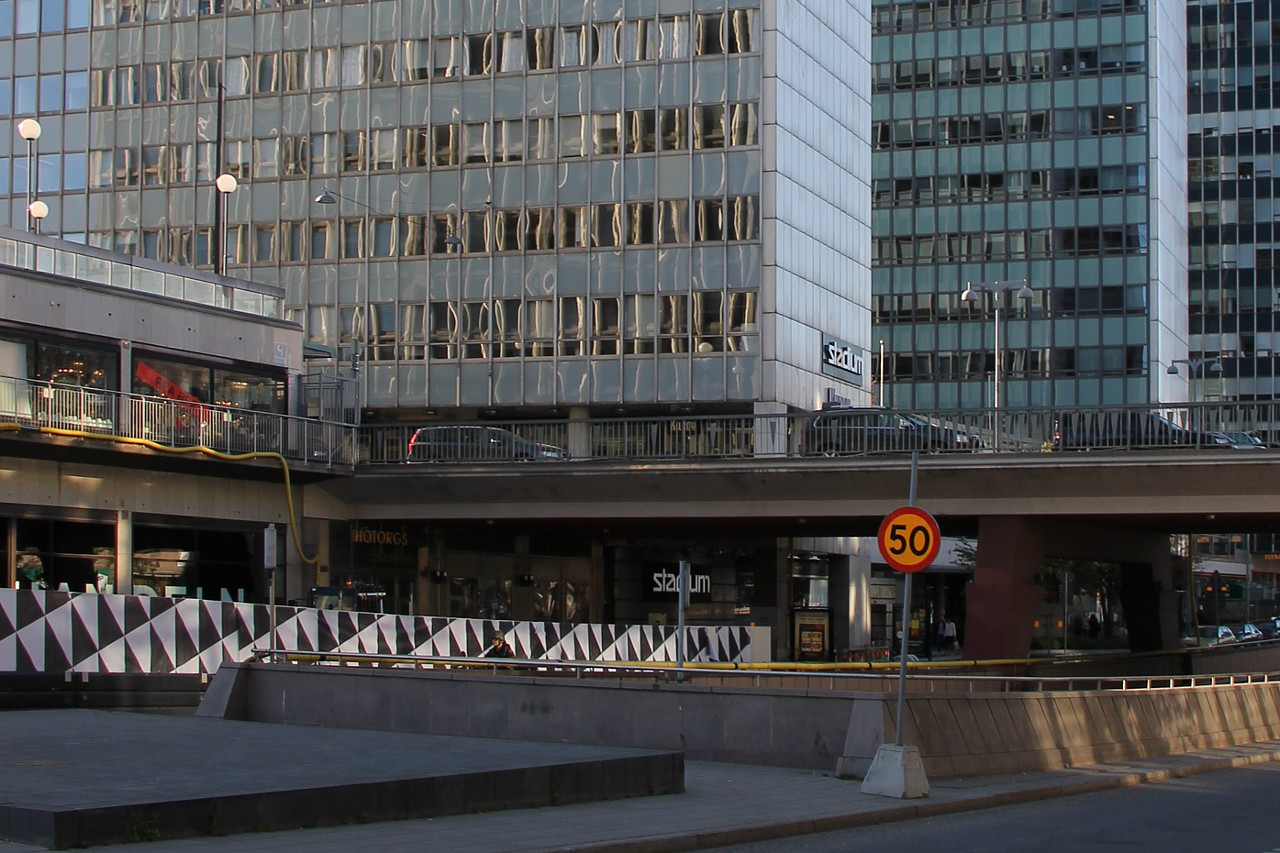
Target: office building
{"points": [[1037, 141], [515, 207], [492, 209], [1232, 201]]}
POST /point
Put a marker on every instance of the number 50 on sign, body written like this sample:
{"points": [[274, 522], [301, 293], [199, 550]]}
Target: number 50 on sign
{"points": [[909, 539]]}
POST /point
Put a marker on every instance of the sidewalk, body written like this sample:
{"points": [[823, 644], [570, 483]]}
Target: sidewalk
{"points": [[724, 804]]}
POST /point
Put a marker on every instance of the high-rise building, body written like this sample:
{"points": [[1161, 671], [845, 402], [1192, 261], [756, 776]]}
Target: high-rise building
{"points": [[1036, 141], [1233, 252], [507, 205]]}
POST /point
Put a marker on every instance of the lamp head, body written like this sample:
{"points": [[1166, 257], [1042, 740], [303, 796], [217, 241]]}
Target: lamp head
{"points": [[226, 183], [326, 197], [38, 209], [29, 129], [1172, 370], [1024, 292], [1215, 368], [968, 295], [453, 240]]}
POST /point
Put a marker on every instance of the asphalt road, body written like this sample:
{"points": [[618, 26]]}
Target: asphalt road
{"points": [[1230, 811]]}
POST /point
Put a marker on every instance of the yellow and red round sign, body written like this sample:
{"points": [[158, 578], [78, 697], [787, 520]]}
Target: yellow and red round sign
{"points": [[909, 539]]}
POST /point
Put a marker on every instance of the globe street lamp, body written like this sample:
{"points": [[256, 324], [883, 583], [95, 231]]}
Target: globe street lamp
{"points": [[997, 289], [29, 129], [37, 211], [226, 184]]}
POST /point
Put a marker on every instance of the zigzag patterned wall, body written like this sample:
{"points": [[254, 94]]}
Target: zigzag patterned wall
{"points": [[42, 631]]}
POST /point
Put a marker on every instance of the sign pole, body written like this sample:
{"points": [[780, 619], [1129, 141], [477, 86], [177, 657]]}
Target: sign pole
{"points": [[909, 541], [906, 610], [682, 601]]}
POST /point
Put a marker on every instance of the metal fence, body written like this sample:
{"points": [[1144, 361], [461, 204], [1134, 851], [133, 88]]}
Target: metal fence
{"points": [[1211, 427], [1225, 428], [53, 406]]}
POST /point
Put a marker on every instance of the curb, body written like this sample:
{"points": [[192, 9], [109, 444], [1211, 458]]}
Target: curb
{"points": [[1104, 780]]}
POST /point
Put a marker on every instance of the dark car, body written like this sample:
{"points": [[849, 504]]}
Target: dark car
{"points": [[476, 444], [942, 436], [1239, 440], [1125, 429], [853, 430]]}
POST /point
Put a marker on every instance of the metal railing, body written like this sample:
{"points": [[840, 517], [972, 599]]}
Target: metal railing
{"points": [[876, 677], [59, 408], [1216, 428], [833, 433]]}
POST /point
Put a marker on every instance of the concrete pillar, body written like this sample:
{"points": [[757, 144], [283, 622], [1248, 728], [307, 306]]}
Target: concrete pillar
{"points": [[1003, 596], [579, 437], [124, 552], [1004, 592]]}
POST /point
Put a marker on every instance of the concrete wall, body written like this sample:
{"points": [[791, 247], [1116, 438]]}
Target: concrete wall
{"points": [[958, 733]]}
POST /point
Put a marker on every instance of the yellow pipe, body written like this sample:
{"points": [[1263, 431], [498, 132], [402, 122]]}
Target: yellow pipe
{"points": [[199, 448]]}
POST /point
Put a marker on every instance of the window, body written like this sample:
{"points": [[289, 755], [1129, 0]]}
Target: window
{"points": [[266, 162], [417, 59], [708, 126], [572, 325], [540, 44], [673, 37], [571, 136], [641, 131], [445, 147], [605, 133], [639, 329], [446, 56], [708, 34], [606, 225], [640, 41], [605, 325], [508, 140], [354, 153], [538, 325], [640, 230], [479, 59], [744, 127], [673, 128], [742, 32]]}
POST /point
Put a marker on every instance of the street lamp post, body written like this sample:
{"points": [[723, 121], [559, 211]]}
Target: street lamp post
{"points": [[226, 184], [1195, 369], [37, 211], [359, 342], [997, 289], [29, 129]]}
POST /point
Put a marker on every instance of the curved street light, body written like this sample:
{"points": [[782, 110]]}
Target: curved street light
{"points": [[997, 289]]}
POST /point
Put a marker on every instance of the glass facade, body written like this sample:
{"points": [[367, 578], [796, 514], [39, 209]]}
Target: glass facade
{"points": [[1018, 141], [477, 202], [1231, 80]]}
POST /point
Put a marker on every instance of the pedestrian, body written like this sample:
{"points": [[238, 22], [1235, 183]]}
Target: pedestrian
{"points": [[498, 648], [1094, 626], [948, 634]]}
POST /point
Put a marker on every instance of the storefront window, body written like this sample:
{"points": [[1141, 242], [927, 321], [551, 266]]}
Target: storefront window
{"points": [[63, 555], [809, 581], [557, 601], [193, 383], [85, 368]]}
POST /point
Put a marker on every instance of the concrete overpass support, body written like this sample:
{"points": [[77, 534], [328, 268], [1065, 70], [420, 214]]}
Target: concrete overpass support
{"points": [[1002, 599]]}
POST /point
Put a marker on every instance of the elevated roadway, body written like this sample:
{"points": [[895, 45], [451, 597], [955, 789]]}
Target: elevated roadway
{"points": [[1170, 491]]}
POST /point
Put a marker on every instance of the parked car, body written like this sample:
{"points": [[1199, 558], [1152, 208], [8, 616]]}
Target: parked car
{"points": [[943, 436], [476, 444], [1239, 440], [858, 430], [1124, 429], [1211, 635], [1246, 632], [1270, 630]]}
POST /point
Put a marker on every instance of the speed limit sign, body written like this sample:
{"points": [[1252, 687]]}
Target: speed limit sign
{"points": [[909, 539]]}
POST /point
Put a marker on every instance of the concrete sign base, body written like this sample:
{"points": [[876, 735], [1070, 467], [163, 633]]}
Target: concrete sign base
{"points": [[896, 772]]}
